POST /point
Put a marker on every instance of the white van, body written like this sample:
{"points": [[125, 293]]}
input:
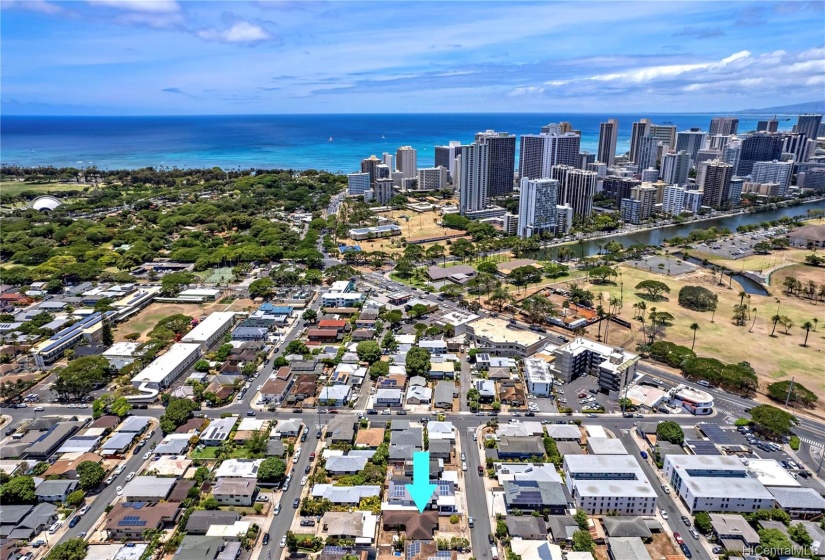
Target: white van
{"points": [[703, 383], [494, 553]]}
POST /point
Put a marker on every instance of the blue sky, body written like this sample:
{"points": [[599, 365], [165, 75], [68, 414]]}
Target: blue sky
{"points": [[138, 57]]}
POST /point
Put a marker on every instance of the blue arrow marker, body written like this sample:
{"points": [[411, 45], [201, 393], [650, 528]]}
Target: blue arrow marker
{"points": [[421, 490]]}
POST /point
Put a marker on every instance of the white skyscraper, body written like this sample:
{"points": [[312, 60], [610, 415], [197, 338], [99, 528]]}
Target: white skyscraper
{"points": [[576, 188], [639, 131], [432, 178], [675, 167], [538, 153], [666, 133], [386, 157], [537, 206], [358, 183], [647, 152], [773, 172], [406, 161], [472, 191], [382, 191], [673, 200]]}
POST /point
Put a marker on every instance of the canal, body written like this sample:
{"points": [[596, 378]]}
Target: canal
{"points": [[657, 236]]}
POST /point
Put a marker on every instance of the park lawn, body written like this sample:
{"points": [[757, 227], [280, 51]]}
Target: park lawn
{"points": [[14, 188], [145, 321], [802, 272], [755, 262], [776, 358]]}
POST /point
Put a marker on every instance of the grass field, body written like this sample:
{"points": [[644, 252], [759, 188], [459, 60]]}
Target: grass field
{"points": [[423, 224], [145, 321], [14, 188], [773, 358], [801, 272], [215, 275], [756, 262]]}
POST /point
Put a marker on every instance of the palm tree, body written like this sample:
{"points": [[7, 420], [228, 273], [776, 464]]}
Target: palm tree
{"points": [[754, 320], [816, 321], [775, 319], [807, 325], [600, 313], [694, 327], [742, 296]]}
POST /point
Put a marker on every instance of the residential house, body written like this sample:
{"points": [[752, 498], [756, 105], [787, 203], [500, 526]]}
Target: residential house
{"points": [[416, 526], [67, 468], [434, 347], [564, 432], [130, 519], [526, 527], [288, 428], [440, 449], [358, 526], [363, 334], [512, 394], [387, 397], [537, 495], [371, 438], [442, 370], [520, 447], [486, 390], [733, 532], [445, 392], [341, 429], [238, 468], [23, 522], [148, 489], [799, 503], [345, 464], [417, 394], [345, 495], [627, 548], [335, 395], [54, 491], [196, 547], [323, 335], [234, 491], [626, 526], [199, 521], [218, 430], [441, 430], [275, 390]]}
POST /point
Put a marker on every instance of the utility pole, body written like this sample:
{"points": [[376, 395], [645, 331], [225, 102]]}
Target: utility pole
{"points": [[790, 388]]}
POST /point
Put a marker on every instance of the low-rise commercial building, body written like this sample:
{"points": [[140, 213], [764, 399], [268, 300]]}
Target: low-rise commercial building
{"points": [[210, 330], [388, 230], [693, 400], [496, 336], [614, 367], [538, 377], [715, 483], [601, 484], [165, 369]]}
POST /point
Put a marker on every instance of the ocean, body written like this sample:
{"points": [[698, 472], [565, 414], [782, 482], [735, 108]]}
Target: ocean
{"points": [[335, 143]]}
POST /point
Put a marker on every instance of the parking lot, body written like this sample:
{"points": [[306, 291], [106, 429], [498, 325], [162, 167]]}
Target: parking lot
{"points": [[583, 385], [671, 266]]}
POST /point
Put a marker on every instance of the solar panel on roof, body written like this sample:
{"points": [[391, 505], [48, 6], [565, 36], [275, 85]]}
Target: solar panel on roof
{"points": [[717, 435], [701, 447], [131, 521], [335, 550]]}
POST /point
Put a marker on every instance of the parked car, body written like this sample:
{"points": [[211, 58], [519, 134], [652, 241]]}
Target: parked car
{"points": [[678, 538], [120, 490], [464, 466], [643, 454], [277, 509], [265, 540], [307, 523], [295, 503], [686, 520], [82, 511], [663, 514], [686, 551], [130, 476], [282, 544], [694, 533], [481, 470], [470, 521], [531, 413], [74, 521]]}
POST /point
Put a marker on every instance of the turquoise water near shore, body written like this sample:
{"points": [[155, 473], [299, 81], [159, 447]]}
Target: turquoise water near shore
{"points": [[334, 143]]}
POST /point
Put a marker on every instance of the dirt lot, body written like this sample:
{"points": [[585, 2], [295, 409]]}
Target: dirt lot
{"points": [[145, 321], [424, 224], [773, 358], [661, 546]]}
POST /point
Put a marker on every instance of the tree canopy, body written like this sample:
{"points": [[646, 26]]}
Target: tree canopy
{"points": [[368, 351], [17, 491], [178, 411], [272, 469], [89, 475], [653, 288], [81, 376], [670, 431], [418, 362], [773, 421], [72, 549], [698, 298], [799, 394]]}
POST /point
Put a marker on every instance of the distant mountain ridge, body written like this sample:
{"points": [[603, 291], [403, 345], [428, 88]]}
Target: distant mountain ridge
{"points": [[794, 109]]}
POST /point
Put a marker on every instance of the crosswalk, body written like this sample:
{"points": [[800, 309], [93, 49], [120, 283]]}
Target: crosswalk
{"points": [[810, 442]]}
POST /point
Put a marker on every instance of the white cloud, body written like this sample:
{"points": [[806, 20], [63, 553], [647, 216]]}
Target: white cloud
{"points": [[240, 32], [148, 6], [33, 6], [742, 72]]}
